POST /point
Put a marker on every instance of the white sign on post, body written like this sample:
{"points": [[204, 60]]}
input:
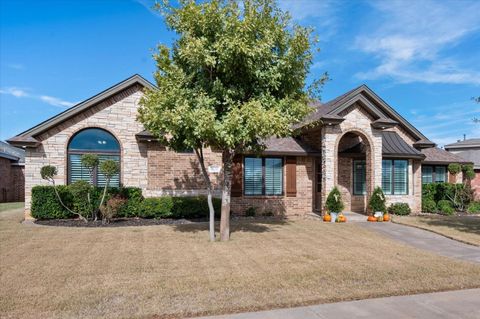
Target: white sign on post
{"points": [[214, 169]]}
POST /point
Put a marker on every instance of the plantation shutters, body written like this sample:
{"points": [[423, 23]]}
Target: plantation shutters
{"points": [[115, 180], [77, 171], [387, 174], [395, 177], [263, 176], [291, 175], [400, 177], [253, 176], [237, 176], [273, 176]]}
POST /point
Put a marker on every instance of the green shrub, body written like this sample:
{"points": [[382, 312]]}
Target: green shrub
{"points": [[45, 204], [459, 194], [429, 191], [474, 208], [132, 205], [251, 212], [377, 201], [157, 207], [334, 202], [399, 209], [194, 207], [445, 207], [81, 191], [454, 168], [429, 206]]}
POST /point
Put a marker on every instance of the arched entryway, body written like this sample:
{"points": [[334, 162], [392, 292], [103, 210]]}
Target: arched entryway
{"points": [[354, 170]]}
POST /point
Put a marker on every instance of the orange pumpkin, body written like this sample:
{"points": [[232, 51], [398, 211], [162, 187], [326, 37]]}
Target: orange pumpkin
{"points": [[327, 218], [343, 220], [386, 217], [371, 219]]}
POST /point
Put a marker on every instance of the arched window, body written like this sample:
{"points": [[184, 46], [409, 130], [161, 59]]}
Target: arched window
{"points": [[93, 141]]}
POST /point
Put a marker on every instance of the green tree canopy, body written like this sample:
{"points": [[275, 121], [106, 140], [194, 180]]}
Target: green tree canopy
{"points": [[235, 75]]}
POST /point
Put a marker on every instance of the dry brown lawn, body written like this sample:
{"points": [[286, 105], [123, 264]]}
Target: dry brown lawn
{"points": [[462, 228], [173, 271]]}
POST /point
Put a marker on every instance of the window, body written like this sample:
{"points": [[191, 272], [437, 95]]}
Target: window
{"points": [[437, 174], [93, 141], [395, 177], [359, 177], [263, 176]]}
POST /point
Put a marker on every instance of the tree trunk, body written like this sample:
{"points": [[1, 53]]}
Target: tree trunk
{"points": [[206, 177], [65, 206], [226, 192]]}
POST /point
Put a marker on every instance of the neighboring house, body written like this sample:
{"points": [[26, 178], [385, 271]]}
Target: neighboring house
{"points": [[356, 141], [12, 173], [469, 150]]}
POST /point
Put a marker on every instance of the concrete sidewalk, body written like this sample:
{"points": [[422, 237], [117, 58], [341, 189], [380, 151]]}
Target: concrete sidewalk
{"points": [[428, 241], [452, 304]]}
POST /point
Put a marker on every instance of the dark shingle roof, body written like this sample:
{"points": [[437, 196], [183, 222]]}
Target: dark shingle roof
{"points": [[288, 146], [471, 156], [435, 155], [471, 142], [12, 153]]}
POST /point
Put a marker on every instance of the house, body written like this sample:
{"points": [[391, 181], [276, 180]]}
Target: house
{"points": [[356, 141], [12, 174], [469, 150]]}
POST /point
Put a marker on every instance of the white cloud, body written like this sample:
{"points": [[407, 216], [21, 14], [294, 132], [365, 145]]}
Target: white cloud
{"points": [[55, 101], [22, 93], [412, 39], [17, 92], [449, 122]]}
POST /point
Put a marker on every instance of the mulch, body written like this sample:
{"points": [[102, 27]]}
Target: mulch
{"points": [[118, 222]]}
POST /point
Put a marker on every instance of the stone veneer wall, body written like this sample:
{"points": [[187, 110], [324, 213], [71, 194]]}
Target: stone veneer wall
{"points": [[283, 205], [358, 121], [117, 115]]}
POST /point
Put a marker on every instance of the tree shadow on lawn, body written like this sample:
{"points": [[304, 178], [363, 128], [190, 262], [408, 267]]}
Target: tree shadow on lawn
{"points": [[467, 224], [254, 225]]}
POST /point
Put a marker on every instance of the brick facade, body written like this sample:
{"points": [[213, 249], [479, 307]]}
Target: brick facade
{"points": [[159, 171], [12, 181]]}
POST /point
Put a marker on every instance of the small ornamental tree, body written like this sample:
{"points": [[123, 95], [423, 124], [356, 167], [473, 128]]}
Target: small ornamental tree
{"points": [[236, 75], [109, 169], [90, 162], [334, 202], [377, 201], [454, 168], [48, 173]]}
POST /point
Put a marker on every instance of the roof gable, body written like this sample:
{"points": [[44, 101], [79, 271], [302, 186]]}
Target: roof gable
{"points": [[363, 95], [80, 107]]}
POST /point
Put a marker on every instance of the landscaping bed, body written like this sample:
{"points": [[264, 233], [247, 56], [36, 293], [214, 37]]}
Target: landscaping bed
{"points": [[118, 222]]}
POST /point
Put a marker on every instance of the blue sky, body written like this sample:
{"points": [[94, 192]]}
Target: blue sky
{"points": [[422, 57]]}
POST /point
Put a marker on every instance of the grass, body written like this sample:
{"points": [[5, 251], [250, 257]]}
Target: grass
{"points": [[461, 228], [173, 271], [8, 206]]}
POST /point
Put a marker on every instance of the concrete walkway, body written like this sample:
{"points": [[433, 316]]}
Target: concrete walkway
{"points": [[426, 240], [452, 304]]}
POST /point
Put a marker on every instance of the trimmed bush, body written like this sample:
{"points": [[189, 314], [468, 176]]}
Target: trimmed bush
{"points": [[251, 212], [45, 204], [445, 207], [474, 208], [334, 202], [462, 194], [399, 209], [429, 206], [159, 207], [377, 201], [194, 207]]}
